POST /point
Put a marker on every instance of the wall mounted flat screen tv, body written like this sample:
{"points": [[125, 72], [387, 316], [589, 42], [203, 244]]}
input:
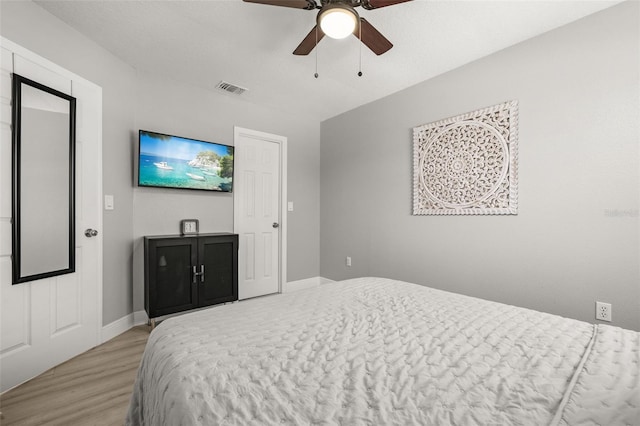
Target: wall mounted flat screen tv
{"points": [[167, 161]]}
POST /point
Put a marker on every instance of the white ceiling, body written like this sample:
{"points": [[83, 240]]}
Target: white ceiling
{"points": [[250, 45]]}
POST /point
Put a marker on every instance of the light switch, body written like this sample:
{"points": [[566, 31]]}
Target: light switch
{"points": [[290, 206], [108, 202]]}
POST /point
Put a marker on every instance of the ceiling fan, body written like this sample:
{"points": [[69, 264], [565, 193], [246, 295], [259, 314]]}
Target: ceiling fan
{"points": [[338, 19]]}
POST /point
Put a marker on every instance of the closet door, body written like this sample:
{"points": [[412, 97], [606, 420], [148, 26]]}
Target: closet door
{"points": [[260, 189]]}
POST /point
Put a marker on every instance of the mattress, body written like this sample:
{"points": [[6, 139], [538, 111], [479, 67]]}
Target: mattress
{"points": [[373, 351]]}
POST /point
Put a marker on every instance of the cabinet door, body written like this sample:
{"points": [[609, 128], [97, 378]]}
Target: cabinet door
{"points": [[171, 287], [219, 256]]}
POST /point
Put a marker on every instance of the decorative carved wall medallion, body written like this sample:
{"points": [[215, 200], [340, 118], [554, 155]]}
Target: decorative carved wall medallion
{"points": [[467, 164]]}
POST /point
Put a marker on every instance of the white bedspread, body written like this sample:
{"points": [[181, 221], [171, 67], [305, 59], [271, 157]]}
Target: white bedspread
{"points": [[373, 351]]}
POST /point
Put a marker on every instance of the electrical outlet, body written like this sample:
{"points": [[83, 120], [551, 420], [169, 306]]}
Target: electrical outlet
{"points": [[603, 311], [348, 260]]}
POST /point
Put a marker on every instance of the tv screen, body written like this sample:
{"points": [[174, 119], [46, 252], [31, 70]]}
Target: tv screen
{"points": [[167, 161]]}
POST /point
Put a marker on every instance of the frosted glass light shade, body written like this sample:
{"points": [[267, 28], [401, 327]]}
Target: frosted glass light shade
{"points": [[338, 22]]}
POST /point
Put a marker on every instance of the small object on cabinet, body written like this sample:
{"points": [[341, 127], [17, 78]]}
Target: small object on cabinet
{"points": [[189, 226]]}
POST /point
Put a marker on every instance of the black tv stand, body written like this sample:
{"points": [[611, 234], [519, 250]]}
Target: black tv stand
{"points": [[188, 272]]}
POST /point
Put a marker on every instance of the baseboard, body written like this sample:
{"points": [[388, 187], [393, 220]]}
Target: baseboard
{"points": [[116, 328], [304, 283], [140, 318]]}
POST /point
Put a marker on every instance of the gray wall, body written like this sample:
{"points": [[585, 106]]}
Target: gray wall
{"points": [[574, 241], [576, 237], [179, 109], [132, 101]]}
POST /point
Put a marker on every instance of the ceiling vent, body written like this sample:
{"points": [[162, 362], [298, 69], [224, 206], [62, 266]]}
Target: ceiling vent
{"points": [[231, 88]]}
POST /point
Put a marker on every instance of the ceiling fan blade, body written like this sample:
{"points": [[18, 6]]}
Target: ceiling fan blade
{"points": [[296, 4], [372, 38], [377, 4], [309, 42]]}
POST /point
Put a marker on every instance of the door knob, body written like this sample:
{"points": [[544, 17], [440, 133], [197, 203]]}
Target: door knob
{"points": [[90, 233], [275, 224]]}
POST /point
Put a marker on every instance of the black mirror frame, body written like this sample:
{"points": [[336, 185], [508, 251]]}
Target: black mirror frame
{"points": [[16, 178]]}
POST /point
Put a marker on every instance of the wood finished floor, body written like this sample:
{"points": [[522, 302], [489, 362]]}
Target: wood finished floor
{"points": [[91, 389]]}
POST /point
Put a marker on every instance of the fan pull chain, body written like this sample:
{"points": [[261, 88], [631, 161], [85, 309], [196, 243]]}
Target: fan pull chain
{"points": [[360, 36], [316, 74]]}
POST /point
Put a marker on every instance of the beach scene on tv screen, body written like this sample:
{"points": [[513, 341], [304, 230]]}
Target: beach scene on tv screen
{"points": [[175, 162]]}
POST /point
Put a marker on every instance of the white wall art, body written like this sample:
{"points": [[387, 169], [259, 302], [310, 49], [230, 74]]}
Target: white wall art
{"points": [[467, 165]]}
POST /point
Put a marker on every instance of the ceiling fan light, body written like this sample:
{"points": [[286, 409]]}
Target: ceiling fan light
{"points": [[338, 22]]}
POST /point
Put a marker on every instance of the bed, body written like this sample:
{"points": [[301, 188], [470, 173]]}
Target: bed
{"points": [[374, 351]]}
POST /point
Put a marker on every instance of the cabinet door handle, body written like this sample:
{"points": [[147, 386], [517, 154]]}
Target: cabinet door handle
{"points": [[196, 273]]}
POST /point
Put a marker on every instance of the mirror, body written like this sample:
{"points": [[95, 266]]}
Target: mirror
{"points": [[43, 193]]}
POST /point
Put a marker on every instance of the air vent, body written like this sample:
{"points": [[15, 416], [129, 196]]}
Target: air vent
{"points": [[231, 88]]}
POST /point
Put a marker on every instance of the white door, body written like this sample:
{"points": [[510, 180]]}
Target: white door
{"points": [[45, 322], [259, 174]]}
